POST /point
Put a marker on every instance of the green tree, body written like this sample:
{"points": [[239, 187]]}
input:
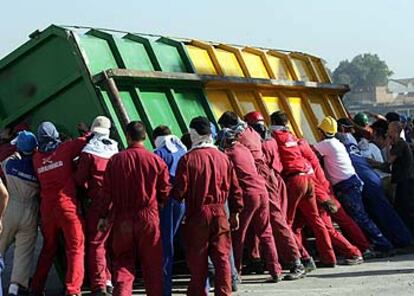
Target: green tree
{"points": [[363, 72]]}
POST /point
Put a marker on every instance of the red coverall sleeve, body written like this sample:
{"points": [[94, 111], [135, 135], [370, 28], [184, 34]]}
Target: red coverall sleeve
{"points": [[236, 193], [181, 180], [77, 145], [83, 172], [163, 183], [106, 200]]}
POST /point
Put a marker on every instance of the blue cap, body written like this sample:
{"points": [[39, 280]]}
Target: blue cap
{"points": [[25, 142]]}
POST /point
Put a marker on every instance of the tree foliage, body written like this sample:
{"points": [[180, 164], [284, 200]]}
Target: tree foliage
{"points": [[363, 72]]}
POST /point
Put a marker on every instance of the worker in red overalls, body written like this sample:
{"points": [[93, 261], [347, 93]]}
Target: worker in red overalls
{"points": [[136, 184], [59, 207], [298, 174], [327, 204], [205, 179], [282, 232], [89, 175], [256, 204]]}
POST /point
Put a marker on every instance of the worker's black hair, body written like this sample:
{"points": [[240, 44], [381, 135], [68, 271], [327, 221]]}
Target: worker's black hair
{"points": [[136, 131], [228, 119], [279, 118], [380, 124], [201, 125], [392, 116], [186, 139], [161, 130]]}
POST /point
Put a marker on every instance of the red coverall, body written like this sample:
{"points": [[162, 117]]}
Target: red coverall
{"points": [[284, 237], [135, 181], [296, 171], [90, 174], [255, 211], [348, 226], [205, 178], [323, 192], [60, 211]]}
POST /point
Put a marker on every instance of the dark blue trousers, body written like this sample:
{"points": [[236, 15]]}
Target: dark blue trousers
{"points": [[170, 219], [384, 215], [349, 193]]}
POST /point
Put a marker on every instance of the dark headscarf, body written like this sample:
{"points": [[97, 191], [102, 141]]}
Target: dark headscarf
{"points": [[48, 137]]}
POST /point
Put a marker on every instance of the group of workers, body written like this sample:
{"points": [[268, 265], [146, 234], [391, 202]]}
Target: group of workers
{"points": [[243, 194]]}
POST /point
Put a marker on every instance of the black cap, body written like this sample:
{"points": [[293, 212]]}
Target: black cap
{"points": [[345, 122], [201, 125]]}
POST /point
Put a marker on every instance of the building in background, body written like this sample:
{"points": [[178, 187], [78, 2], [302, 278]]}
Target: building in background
{"points": [[397, 95]]}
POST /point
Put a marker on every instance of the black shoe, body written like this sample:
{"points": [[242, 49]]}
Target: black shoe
{"points": [[274, 279], [99, 293], [296, 272], [309, 265], [109, 290], [234, 286], [326, 265], [369, 254], [356, 260]]}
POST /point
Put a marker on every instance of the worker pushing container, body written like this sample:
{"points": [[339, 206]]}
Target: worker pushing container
{"points": [[72, 74]]}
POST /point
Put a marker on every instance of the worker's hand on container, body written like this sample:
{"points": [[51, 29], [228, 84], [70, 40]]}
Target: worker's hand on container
{"points": [[234, 222], [103, 225]]}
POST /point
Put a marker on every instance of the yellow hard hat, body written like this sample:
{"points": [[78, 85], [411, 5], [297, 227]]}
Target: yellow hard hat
{"points": [[329, 126]]}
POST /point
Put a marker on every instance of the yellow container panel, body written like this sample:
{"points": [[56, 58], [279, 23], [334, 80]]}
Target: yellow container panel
{"points": [[229, 63], [279, 67], [320, 71], [220, 102], [319, 108], [301, 69], [201, 60], [302, 118], [247, 101], [336, 106], [255, 65], [273, 103]]}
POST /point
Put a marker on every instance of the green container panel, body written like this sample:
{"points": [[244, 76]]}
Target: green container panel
{"points": [[134, 55], [189, 104], [66, 110], [114, 117], [132, 111], [97, 53], [158, 109], [36, 75], [169, 57]]}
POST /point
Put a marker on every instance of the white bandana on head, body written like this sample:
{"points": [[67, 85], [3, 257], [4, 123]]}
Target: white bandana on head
{"points": [[171, 142], [201, 141]]}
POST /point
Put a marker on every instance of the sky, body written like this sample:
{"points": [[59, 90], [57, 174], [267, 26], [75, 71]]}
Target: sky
{"points": [[334, 30]]}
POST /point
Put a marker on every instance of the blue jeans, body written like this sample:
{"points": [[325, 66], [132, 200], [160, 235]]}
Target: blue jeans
{"points": [[170, 220], [385, 216], [349, 193], [1, 274]]}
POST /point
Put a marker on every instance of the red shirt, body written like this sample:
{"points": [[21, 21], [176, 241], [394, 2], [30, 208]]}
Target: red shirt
{"points": [[205, 177], [271, 152], [90, 173], [290, 154], [135, 179], [323, 189], [252, 184], [55, 171]]}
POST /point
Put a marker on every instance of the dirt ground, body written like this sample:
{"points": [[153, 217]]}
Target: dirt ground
{"points": [[391, 276]]}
